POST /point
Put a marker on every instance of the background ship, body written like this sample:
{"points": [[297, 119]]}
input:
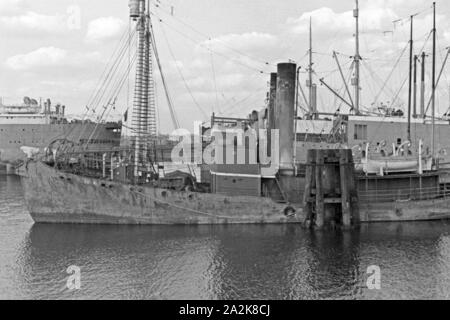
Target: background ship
{"points": [[36, 126]]}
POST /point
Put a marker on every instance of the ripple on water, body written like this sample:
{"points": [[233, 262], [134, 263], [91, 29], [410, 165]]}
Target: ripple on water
{"points": [[217, 262]]}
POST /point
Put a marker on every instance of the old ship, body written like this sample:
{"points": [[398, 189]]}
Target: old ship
{"points": [[124, 185]]}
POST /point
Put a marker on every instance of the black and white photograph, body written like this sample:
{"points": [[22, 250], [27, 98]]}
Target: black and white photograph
{"points": [[237, 152]]}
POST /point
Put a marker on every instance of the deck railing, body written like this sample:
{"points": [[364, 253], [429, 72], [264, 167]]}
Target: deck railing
{"points": [[406, 194]]}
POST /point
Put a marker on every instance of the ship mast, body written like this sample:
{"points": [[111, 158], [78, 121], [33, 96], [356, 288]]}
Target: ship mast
{"points": [[433, 92], [422, 87], [411, 49], [312, 108], [416, 58], [357, 59], [143, 121]]}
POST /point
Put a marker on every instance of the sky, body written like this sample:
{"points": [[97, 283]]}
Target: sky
{"points": [[217, 55]]}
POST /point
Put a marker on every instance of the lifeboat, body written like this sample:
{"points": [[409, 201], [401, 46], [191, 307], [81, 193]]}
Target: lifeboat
{"points": [[380, 165], [389, 165]]}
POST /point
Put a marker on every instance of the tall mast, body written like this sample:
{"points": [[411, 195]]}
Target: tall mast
{"points": [[143, 120], [422, 87], [310, 73], [411, 48], [357, 58], [433, 92], [416, 58]]}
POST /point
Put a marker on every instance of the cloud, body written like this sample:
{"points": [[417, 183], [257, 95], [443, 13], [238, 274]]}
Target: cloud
{"points": [[9, 6], [104, 28], [50, 57], [326, 21], [42, 57], [70, 70], [231, 52], [35, 22], [246, 41]]}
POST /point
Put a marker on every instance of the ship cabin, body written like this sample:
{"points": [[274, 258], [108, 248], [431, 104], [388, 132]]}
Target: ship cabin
{"points": [[389, 167]]}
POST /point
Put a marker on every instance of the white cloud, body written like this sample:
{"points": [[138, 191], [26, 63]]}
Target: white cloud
{"points": [[68, 68], [104, 28], [246, 51], [42, 57], [9, 6], [48, 57], [326, 21], [35, 22], [245, 41]]}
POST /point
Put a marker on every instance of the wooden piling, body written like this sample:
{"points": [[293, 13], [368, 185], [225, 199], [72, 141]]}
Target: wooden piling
{"points": [[320, 203], [112, 167], [345, 178], [331, 196], [309, 179], [104, 165]]}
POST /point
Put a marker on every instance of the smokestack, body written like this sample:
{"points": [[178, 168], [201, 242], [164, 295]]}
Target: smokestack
{"points": [[272, 98], [261, 116], [284, 115], [49, 106], [254, 116], [271, 118], [314, 99]]}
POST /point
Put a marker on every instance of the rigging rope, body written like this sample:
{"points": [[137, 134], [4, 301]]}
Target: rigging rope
{"points": [[203, 45], [224, 44], [105, 79], [175, 122], [113, 98], [390, 75], [181, 74]]}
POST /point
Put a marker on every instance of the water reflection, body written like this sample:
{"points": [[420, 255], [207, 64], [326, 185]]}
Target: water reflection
{"points": [[217, 262], [236, 262]]}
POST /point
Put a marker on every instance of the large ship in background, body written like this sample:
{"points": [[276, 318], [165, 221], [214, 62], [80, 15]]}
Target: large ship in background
{"points": [[32, 126]]}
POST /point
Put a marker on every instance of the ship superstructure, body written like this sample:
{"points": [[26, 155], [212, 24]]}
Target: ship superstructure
{"points": [[36, 125], [383, 127]]}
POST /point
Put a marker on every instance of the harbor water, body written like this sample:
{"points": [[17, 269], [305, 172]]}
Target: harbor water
{"points": [[217, 262]]}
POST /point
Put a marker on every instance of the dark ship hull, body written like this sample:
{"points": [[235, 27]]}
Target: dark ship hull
{"points": [[53, 196]]}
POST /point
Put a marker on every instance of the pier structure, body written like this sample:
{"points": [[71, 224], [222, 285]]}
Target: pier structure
{"points": [[330, 197]]}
